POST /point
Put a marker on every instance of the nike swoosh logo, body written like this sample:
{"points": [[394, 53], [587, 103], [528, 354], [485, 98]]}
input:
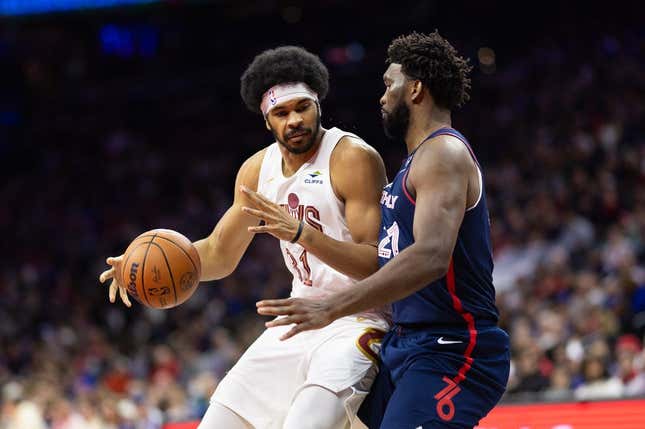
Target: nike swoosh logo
{"points": [[442, 341]]}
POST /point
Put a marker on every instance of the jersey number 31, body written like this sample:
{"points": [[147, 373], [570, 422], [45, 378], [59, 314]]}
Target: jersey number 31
{"points": [[305, 274]]}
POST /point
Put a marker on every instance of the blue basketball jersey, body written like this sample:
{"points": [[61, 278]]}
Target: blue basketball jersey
{"points": [[465, 297]]}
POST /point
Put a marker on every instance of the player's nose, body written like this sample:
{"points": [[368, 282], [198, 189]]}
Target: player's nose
{"points": [[295, 120]]}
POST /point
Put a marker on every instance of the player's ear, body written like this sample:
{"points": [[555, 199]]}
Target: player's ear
{"points": [[416, 91], [266, 123]]}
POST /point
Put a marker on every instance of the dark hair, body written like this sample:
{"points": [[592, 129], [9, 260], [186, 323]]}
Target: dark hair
{"points": [[282, 65], [431, 59]]}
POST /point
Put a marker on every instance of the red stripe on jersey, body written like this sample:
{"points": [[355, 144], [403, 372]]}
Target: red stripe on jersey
{"points": [[404, 185], [470, 322]]}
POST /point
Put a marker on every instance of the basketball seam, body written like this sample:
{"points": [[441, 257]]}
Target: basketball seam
{"points": [[143, 271], [180, 248], [174, 290], [147, 235]]}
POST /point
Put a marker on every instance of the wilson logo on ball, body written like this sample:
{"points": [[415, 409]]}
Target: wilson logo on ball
{"points": [[132, 286]]}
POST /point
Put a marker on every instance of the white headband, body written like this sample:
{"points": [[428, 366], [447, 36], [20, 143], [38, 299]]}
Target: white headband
{"points": [[285, 92]]}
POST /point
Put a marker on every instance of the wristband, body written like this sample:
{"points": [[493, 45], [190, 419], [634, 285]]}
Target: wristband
{"points": [[301, 225]]}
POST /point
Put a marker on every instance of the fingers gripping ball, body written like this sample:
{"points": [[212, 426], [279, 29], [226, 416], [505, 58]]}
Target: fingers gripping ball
{"points": [[161, 268]]}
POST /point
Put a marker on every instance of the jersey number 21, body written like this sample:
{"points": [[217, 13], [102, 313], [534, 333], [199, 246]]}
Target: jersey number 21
{"points": [[391, 240]]}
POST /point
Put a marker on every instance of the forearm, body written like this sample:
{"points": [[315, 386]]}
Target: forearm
{"points": [[214, 266], [410, 271], [356, 260]]}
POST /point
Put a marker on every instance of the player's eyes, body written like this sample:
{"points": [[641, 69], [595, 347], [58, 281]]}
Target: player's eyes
{"points": [[281, 113]]}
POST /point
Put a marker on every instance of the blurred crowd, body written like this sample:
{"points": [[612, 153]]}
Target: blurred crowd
{"points": [[560, 131], [568, 221]]}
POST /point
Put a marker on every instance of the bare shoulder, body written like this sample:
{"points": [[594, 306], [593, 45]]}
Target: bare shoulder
{"points": [[444, 153], [249, 172], [354, 159], [352, 150]]}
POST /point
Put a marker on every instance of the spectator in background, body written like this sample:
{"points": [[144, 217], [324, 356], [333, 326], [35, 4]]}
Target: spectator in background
{"points": [[528, 374], [64, 416], [630, 364], [597, 382], [559, 385], [19, 412]]}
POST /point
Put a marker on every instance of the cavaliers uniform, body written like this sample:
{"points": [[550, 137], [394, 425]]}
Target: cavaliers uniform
{"points": [[263, 383], [445, 363]]}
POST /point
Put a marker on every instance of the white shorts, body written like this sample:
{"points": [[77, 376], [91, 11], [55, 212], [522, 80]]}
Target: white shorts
{"points": [[263, 383]]}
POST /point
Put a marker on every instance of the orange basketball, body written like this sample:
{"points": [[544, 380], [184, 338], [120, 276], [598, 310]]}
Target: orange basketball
{"points": [[161, 268]]}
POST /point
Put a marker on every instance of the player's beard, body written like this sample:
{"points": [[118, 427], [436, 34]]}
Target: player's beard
{"points": [[396, 122], [307, 142]]}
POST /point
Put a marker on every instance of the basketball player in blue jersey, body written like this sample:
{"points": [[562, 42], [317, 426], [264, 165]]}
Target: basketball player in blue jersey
{"points": [[445, 363]]}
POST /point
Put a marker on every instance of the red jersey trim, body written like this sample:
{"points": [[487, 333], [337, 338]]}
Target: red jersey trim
{"points": [[468, 318], [405, 188]]}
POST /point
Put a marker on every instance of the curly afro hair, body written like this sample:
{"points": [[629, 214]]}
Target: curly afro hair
{"points": [[431, 59], [282, 65]]}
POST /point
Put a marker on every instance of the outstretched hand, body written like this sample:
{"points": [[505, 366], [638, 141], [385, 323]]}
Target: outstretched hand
{"points": [[277, 221], [117, 283], [306, 314]]}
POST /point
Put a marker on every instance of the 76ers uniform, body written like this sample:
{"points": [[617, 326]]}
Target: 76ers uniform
{"points": [[263, 383], [445, 363]]}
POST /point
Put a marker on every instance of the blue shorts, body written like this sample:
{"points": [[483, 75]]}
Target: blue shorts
{"points": [[437, 378]]}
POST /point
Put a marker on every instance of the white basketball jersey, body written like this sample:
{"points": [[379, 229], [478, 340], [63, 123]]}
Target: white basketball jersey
{"points": [[308, 195]]}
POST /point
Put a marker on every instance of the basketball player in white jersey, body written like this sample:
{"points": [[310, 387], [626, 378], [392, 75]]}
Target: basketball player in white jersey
{"points": [[317, 190]]}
